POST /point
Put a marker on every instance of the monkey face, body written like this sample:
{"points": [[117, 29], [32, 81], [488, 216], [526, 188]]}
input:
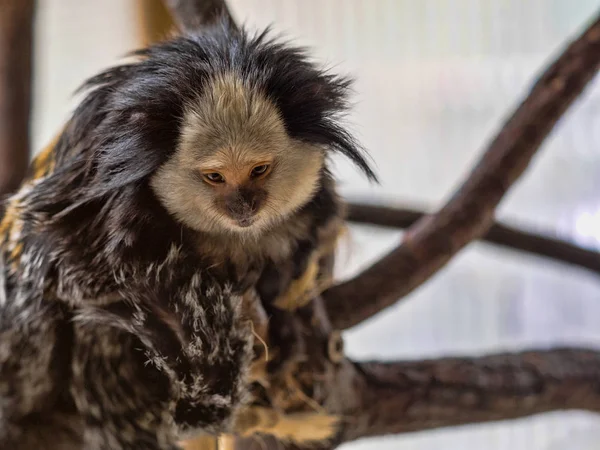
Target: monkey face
{"points": [[236, 169], [238, 188]]}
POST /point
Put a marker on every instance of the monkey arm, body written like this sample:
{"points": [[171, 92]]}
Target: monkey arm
{"points": [[202, 337], [288, 287], [196, 337], [309, 267], [116, 372]]}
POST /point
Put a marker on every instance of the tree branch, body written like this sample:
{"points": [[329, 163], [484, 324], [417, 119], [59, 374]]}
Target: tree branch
{"points": [[154, 21], [16, 43], [400, 397], [500, 234], [430, 243], [193, 15]]}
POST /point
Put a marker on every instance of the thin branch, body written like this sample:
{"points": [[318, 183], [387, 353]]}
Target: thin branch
{"points": [[16, 43], [400, 397], [433, 240], [500, 234], [193, 15], [154, 21]]}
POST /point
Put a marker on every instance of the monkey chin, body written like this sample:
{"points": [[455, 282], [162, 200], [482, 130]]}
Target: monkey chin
{"points": [[249, 227], [254, 226]]}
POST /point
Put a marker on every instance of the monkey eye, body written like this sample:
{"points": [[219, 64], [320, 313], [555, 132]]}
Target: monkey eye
{"points": [[213, 177], [260, 170]]}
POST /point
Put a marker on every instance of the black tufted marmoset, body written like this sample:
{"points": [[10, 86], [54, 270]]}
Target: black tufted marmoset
{"points": [[182, 180]]}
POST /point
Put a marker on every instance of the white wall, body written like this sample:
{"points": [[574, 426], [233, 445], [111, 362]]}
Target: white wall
{"points": [[434, 80]]}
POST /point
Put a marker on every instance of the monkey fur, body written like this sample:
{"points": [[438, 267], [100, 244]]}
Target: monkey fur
{"points": [[182, 180]]}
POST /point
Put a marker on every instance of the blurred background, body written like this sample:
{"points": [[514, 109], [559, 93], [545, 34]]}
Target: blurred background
{"points": [[434, 80]]}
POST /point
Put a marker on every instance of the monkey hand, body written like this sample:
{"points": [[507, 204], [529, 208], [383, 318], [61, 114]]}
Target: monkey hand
{"points": [[299, 428]]}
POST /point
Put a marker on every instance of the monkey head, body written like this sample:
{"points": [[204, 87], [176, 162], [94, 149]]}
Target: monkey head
{"points": [[227, 132], [253, 138], [236, 167]]}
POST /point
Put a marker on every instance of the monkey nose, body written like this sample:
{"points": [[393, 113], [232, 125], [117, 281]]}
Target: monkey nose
{"points": [[252, 206], [243, 206], [242, 212]]}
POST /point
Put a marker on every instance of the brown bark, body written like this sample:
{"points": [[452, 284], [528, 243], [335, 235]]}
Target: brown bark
{"points": [[499, 234], [154, 21], [16, 43], [381, 398], [430, 243], [400, 397], [191, 15]]}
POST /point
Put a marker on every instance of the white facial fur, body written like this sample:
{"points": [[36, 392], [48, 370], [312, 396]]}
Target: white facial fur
{"points": [[230, 128]]}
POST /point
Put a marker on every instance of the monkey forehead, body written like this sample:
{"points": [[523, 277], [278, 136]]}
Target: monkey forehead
{"points": [[235, 157], [231, 114]]}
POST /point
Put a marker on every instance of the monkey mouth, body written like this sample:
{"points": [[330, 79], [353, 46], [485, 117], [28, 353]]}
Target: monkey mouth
{"points": [[245, 222]]}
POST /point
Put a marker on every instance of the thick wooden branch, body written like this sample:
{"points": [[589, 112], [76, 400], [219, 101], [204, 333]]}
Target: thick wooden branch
{"points": [[192, 15], [499, 234], [400, 397], [430, 243], [16, 42]]}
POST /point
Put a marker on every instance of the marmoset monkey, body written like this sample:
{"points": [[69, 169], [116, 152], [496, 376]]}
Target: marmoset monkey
{"points": [[177, 182]]}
